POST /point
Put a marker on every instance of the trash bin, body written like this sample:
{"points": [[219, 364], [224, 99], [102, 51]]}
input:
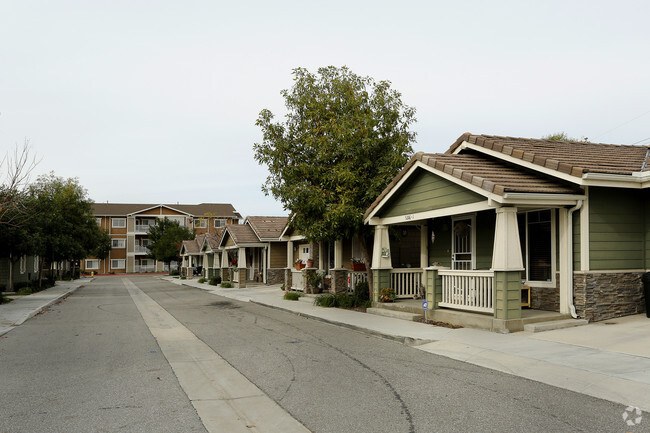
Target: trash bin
{"points": [[646, 292]]}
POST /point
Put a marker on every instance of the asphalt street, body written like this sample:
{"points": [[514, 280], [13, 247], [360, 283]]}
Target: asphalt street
{"points": [[91, 363]]}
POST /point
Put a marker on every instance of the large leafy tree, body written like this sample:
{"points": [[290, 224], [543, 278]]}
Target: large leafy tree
{"points": [[63, 219], [165, 238], [343, 139]]}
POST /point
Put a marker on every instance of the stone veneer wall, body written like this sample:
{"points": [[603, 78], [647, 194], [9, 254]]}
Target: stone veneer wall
{"points": [[602, 296], [288, 280], [275, 276], [546, 298], [339, 281]]}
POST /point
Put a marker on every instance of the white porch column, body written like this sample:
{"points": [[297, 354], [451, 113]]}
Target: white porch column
{"points": [[241, 258], [338, 254], [506, 255], [563, 216], [381, 249], [321, 259], [424, 247], [265, 254], [289, 254]]}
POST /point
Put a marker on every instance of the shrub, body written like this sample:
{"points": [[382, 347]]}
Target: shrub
{"points": [[183, 277], [202, 280], [327, 300], [174, 272], [291, 296], [25, 290], [282, 287], [215, 281], [387, 295], [361, 292], [226, 285]]}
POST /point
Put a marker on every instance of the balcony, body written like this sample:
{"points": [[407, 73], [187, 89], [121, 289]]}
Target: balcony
{"points": [[139, 249], [142, 228]]}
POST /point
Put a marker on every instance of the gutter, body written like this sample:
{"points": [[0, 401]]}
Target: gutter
{"points": [[572, 307]]}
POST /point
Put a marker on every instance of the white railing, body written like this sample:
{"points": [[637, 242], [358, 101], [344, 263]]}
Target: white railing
{"points": [[355, 278], [297, 280], [406, 282], [468, 290], [142, 228], [146, 268], [141, 249], [235, 275]]}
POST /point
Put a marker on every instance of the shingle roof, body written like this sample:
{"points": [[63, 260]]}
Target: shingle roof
{"points": [[225, 210], [570, 157], [213, 239], [268, 227], [242, 233], [191, 247]]}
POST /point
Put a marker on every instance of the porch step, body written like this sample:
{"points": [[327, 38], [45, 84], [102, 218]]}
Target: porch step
{"points": [[394, 314], [555, 324]]}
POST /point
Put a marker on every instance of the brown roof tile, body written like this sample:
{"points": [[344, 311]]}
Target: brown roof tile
{"points": [[225, 210], [242, 233], [268, 227], [570, 157]]}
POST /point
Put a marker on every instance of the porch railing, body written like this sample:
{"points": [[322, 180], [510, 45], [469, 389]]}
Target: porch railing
{"points": [[144, 268], [355, 278], [468, 290], [297, 280], [406, 282], [142, 228], [235, 275], [141, 249]]}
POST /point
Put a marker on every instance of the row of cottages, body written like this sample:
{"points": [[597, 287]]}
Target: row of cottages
{"points": [[128, 226], [248, 252], [564, 223]]}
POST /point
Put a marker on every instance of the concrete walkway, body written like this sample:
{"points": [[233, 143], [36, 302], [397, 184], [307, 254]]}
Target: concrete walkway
{"points": [[25, 307], [608, 360]]}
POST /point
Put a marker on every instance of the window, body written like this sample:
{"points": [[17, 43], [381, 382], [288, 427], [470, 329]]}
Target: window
{"points": [[23, 264], [536, 235], [200, 223], [118, 223], [146, 262], [219, 223], [118, 243], [98, 221], [118, 264], [92, 264], [145, 242], [36, 262]]}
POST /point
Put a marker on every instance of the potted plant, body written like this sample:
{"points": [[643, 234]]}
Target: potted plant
{"points": [[358, 265], [310, 263], [387, 295], [299, 264]]}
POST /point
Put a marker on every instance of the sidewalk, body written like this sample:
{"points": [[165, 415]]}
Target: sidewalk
{"points": [[25, 307], [608, 360]]}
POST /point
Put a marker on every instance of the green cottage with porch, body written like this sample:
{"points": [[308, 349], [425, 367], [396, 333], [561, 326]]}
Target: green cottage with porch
{"points": [[568, 221]]}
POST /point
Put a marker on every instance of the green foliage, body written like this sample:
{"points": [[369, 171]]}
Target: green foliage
{"points": [[175, 272], [165, 239], [215, 281], [226, 285], [183, 277], [314, 279], [202, 280], [361, 291], [343, 140], [563, 136], [282, 288], [341, 300], [104, 245], [292, 296]]}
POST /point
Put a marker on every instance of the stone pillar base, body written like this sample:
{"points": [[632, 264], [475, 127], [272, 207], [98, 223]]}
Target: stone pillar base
{"points": [[287, 279], [242, 278], [339, 280]]}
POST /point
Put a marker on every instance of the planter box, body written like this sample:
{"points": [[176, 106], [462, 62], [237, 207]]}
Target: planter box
{"points": [[299, 266], [358, 267]]}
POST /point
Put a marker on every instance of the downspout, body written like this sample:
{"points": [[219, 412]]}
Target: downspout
{"points": [[572, 307]]}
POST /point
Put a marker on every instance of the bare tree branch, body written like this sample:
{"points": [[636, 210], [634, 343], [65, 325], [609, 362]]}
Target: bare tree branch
{"points": [[18, 168]]}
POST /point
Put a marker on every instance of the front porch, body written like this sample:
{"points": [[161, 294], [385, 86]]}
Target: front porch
{"points": [[469, 319]]}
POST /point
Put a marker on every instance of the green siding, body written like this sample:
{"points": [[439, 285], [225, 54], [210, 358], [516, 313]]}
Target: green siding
{"points": [[507, 294], [616, 229], [381, 280], [576, 241], [425, 191]]}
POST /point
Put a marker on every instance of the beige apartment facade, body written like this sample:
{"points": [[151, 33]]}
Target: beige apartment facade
{"points": [[128, 227]]}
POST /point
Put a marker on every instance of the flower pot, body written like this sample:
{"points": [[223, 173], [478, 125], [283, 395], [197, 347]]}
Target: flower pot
{"points": [[310, 263], [299, 266], [358, 267]]}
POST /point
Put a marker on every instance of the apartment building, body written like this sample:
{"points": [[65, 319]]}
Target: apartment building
{"points": [[128, 226]]}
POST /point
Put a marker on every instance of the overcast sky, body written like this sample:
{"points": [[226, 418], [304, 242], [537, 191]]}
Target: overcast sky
{"points": [[156, 101]]}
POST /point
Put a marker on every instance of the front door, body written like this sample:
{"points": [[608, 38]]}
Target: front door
{"points": [[462, 257]]}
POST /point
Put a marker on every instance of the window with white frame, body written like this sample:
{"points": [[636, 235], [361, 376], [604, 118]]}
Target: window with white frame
{"points": [[146, 262], [118, 223], [144, 242], [92, 264], [537, 238], [36, 262], [118, 243], [118, 263], [219, 223], [98, 221], [23, 264], [200, 223]]}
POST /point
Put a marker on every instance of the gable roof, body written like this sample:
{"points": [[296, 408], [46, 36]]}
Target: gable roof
{"points": [[240, 233], [224, 210], [570, 157], [267, 227], [213, 239], [192, 246]]}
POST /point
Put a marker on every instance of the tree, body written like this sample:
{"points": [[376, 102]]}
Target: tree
{"points": [[13, 189], [563, 136], [165, 239], [17, 239], [63, 219], [343, 140]]}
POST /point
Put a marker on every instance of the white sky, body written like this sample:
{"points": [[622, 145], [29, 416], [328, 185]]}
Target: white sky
{"points": [[156, 101]]}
